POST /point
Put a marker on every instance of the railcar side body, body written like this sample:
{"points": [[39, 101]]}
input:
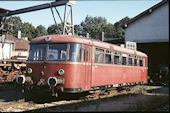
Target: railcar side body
{"points": [[74, 64]]}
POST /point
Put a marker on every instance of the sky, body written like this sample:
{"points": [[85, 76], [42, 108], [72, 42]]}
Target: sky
{"points": [[112, 10]]}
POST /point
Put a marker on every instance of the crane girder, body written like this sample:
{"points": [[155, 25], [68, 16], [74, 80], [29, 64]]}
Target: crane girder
{"points": [[35, 8]]}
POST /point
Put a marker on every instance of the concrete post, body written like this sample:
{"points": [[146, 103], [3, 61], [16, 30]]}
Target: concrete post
{"points": [[102, 36], [87, 35]]}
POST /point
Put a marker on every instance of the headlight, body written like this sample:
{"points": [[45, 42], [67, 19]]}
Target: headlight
{"points": [[29, 70], [61, 72], [47, 39]]}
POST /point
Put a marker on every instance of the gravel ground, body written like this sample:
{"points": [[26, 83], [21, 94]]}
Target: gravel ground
{"points": [[164, 108], [126, 102]]}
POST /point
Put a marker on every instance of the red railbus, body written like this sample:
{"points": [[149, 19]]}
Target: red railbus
{"points": [[75, 64]]}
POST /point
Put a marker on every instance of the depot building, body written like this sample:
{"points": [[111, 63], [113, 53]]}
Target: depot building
{"points": [[150, 31]]}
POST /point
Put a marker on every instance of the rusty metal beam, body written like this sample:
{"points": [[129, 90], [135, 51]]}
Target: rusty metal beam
{"points": [[35, 8]]}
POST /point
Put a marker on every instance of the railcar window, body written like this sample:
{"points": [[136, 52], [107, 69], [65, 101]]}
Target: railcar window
{"points": [[37, 52], [130, 61], [108, 59], [75, 52], [123, 60], [57, 52], [116, 59], [99, 55], [141, 62], [135, 62]]}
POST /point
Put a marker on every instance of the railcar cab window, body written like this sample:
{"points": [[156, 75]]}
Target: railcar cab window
{"points": [[108, 57], [74, 52], [57, 52], [37, 52], [99, 55]]}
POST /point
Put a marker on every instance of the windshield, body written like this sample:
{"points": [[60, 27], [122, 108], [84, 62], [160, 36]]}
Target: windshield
{"points": [[75, 52], [57, 52], [37, 52]]}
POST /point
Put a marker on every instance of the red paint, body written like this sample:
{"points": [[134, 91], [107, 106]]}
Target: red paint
{"points": [[89, 74]]}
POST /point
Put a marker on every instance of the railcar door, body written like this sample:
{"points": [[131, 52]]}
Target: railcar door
{"points": [[87, 61]]}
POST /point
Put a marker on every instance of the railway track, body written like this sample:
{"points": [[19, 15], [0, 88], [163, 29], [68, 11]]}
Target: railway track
{"points": [[31, 106]]}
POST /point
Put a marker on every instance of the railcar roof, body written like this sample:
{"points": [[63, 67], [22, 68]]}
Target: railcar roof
{"points": [[67, 38]]}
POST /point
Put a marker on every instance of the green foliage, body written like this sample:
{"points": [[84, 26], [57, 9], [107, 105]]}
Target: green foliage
{"points": [[40, 31], [92, 25], [119, 33], [122, 22], [53, 29], [95, 25], [17, 25], [109, 31], [28, 30], [77, 29]]}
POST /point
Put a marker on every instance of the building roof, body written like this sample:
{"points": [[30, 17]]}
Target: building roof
{"points": [[146, 12], [20, 44], [2, 38]]}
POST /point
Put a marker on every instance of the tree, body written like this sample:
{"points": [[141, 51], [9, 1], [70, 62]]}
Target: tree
{"points": [[17, 25], [28, 30], [40, 31], [77, 29], [109, 30], [93, 25], [119, 33], [122, 22], [53, 29]]}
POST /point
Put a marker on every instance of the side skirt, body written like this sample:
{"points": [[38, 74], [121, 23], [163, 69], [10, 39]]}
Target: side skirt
{"points": [[79, 90]]}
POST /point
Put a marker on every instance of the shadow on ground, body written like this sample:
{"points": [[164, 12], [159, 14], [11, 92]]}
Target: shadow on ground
{"points": [[9, 91], [125, 102]]}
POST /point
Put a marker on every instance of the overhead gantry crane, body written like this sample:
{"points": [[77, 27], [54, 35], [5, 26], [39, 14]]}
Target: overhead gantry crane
{"points": [[67, 28]]}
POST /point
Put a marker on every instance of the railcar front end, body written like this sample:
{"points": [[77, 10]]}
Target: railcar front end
{"points": [[54, 64]]}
